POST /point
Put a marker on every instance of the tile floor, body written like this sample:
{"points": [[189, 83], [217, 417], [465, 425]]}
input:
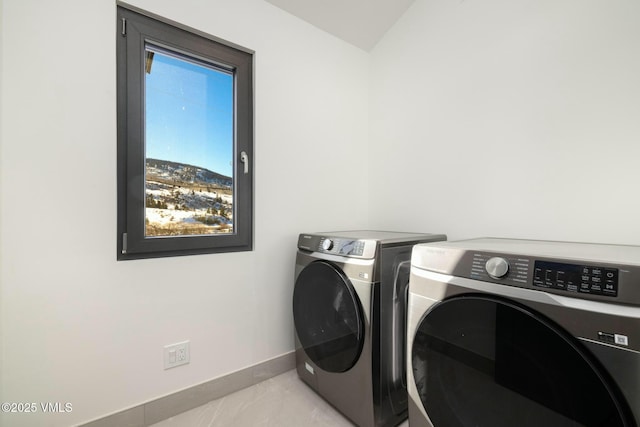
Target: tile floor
{"points": [[282, 401]]}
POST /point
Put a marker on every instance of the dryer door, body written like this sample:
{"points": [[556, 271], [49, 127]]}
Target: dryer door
{"points": [[328, 317], [485, 361]]}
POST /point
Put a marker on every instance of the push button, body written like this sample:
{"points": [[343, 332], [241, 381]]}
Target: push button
{"points": [[538, 275], [610, 285], [595, 288], [606, 337]]}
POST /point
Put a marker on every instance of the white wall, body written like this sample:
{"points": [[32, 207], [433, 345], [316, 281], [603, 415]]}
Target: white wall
{"points": [[514, 118], [500, 117], [79, 327]]}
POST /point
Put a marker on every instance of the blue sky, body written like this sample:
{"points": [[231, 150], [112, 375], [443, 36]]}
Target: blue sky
{"points": [[189, 114]]}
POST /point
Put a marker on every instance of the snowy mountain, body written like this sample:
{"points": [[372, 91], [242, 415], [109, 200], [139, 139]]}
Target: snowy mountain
{"points": [[181, 172]]}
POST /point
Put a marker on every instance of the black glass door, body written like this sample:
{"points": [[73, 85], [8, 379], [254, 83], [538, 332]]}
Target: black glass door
{"points": [[485, 362], [328, 317]]}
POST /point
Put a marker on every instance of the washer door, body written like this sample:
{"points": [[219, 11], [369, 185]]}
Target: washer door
{"points": [[488, 362], [328, 317]]}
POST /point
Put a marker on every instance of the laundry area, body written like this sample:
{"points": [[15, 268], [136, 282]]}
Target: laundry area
{"points": [[319, 213]]}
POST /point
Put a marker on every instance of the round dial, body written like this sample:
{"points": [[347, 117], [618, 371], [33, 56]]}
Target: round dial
{"points": [[497, 267], [327, 244]]}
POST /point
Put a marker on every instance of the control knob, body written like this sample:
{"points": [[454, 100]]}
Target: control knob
{"points": [[497, 267], [327, 244]]}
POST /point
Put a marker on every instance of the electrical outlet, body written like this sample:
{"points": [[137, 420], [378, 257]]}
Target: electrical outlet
{"points": [[176, 354]]}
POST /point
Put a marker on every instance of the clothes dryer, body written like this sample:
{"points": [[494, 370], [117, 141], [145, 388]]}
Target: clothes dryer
{"points": [[524, 333], [349, 311]]}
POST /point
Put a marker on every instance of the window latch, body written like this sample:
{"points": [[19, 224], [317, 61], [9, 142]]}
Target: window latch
{"points": [[244, 158]]}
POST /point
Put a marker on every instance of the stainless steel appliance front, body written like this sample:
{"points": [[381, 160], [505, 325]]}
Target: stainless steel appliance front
{"points": [[513, 332], [349, 309]]}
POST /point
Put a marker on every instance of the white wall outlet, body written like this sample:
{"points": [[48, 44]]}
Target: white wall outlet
{"points": [[176, 354]]}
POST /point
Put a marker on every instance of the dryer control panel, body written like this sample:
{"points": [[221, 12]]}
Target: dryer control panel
{"points": [[515, 268], [586, 279], [518, 270], [597, 272]]}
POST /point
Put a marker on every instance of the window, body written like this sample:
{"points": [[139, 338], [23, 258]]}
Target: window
{"points": [[185, 141]]}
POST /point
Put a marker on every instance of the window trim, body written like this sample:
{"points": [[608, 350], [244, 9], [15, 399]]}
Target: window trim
{"points": [[135, 29]]}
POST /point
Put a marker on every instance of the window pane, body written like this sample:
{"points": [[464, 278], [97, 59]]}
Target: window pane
{"points": [[189, 146]]}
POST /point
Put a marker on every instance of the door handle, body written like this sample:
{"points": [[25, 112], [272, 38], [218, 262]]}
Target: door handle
{"points": [[244, 158]]}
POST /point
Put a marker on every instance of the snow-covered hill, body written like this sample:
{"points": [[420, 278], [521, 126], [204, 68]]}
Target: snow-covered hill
{"points": [[184, 199]]}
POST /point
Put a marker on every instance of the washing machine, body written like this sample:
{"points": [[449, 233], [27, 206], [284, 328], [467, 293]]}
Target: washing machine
{"points": [[349, 312], [505, 333]]}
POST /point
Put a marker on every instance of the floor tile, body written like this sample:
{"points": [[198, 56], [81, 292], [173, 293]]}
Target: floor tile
{"points": [[281, 401]]}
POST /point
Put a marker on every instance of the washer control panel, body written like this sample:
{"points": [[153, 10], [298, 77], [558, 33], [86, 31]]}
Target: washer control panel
{"points": [[586, 279], [354, 248], [344, 247]]}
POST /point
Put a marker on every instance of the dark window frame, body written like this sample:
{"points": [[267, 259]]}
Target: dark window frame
{"points": [[134, 29]]}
